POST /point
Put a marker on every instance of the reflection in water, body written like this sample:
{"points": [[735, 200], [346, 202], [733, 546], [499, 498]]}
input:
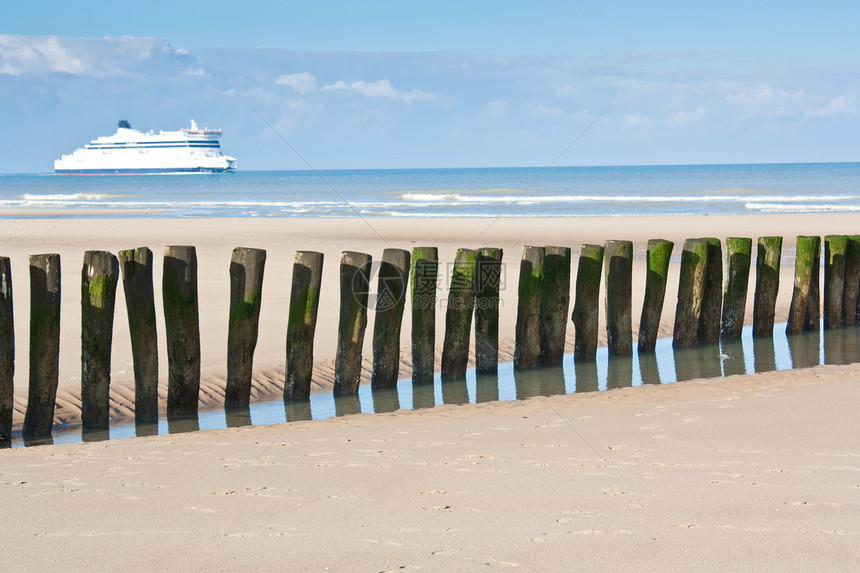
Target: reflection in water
{"points": [[346, 405], [92, 435], [181, 423], [649, 372], [763, 354], [487, 387], [585, 374], [455, 392], [385, 400], [665, 365], [734, 360], [619, 372], [297, 410]]}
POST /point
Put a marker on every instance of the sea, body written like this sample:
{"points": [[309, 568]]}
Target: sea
{"points": [[461, 192]]}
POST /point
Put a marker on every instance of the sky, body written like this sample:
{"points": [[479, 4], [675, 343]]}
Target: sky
{"points": [[414, 84]]}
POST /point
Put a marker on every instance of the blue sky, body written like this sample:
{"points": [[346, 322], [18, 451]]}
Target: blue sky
{"points": [[378, 84]]}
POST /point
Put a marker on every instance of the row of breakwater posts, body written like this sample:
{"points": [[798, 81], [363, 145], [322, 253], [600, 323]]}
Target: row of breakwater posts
{"points": [[709, 309]]}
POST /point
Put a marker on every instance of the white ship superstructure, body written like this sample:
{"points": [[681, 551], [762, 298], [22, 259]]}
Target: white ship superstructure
{"points": [[191, 150]]}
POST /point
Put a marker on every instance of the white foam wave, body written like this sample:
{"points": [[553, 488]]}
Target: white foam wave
{"points": [[801, 208], [65, 197], [465, 199]]}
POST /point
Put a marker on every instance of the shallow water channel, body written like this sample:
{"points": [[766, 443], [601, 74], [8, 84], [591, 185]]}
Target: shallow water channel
{"points": [[664, 366]]}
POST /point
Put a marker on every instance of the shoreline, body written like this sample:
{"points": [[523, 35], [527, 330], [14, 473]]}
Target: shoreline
{"points": [[215, 239]]}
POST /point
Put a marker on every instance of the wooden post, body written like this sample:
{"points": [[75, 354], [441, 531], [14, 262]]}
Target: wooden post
{"points": [[766, 284], [852, 281], [390, 302], [812, 320], [587, 302], [301, 324], [44, 344], [487, 280], [712, 297], [835, 251], [182, 327], [354, 293], [691, 289], [7, 352], [657, 259], [618, 263], [136, 267], [425, 271], [806, 259], [554, 305], [246, 294], [527, 338], [458, 316], [738, 258], [99, 277]]}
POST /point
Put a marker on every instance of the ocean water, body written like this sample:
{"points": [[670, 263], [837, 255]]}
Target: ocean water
{"points": [[473, 192]]}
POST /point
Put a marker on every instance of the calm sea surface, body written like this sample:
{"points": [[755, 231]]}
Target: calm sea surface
{"points": [[507, 192]]}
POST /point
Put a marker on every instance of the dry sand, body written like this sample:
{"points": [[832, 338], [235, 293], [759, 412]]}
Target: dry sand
{"points": [[759, 472]]}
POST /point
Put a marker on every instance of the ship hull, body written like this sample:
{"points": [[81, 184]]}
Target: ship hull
{"points": [[144, 171]]}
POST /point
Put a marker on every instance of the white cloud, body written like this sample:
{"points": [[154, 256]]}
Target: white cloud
{"points": [[299, 82], [498, 108], [380, 89], [683, 117], [839, 105], [542, 110]]}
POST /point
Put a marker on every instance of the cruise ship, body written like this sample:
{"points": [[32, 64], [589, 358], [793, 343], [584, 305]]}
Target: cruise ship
{"points": [[191, 150]]}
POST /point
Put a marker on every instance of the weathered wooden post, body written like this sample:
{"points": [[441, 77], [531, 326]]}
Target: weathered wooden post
{"points": [[302, 323], [487, 280], [136, 268], [425, 272], [712, 297], [99, 277], [246, 295], [766, 284], [618, 263], [390, 302], [354, 293], [806, 259], [44, 344], [7, 352], [527, 338], [852, 281], [586, 305], [738, 258], [182, 327], [657, 259], [812, 321], [691, 289], [458, 316], [554, 305], [835, 251]]}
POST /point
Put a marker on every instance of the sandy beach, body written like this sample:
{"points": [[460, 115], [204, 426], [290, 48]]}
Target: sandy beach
{"points": [[756, 472]]}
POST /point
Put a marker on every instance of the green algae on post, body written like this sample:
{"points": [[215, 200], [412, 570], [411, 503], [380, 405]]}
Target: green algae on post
{"points": [[657, 259], [691, 288], [424, 276], [805, 263], [835, 252], [851, 288], [527, 333], [487, 281], [301, 324], [738, 259], [44, 344], [182, 327], [136, 268], [458, 316], [554, 305], [99, 277], [246, 295], [587, 302], [352, 323], [390, 301], [768, 255], [618, 263], [712, 297], [7, 352]]}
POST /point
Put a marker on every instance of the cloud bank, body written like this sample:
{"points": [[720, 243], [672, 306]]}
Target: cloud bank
{"points": [[430, 109]]}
